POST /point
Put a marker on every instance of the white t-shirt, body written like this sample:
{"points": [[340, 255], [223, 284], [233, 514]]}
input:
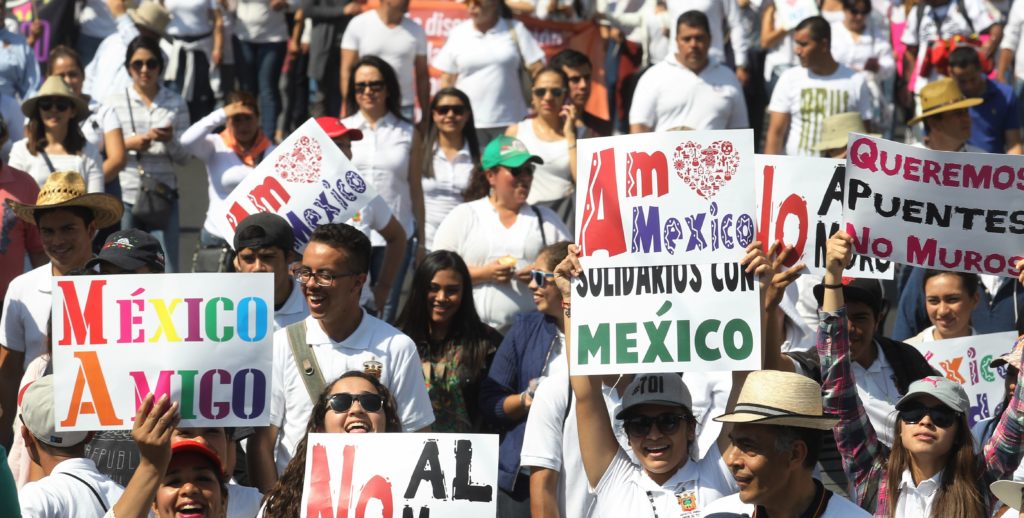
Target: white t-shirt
{"points": [[293, 310], [26, 311], [443, 191], [373, 341], [809, 99], [87, 163], [368, 35], [731, 506], [670, 95], [191, 17], [100, 121], [474, 231], [243, 501], [626, 490], [488, 67], [60, 495], [873, 43], [258, 23], [552, 179]]}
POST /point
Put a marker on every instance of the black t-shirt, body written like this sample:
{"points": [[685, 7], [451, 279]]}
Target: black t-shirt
{"points": [[115, 453]]}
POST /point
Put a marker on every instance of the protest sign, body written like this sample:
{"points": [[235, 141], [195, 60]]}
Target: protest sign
{"points": [[409, 475], [306, 180], [204, 342], [967, 361], [676, 299], [800, 202], [950, 211], [57, 21]]}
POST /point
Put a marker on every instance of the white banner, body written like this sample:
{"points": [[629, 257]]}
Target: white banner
{"points": [[205, 342], [949, 211], [412, 475], [306, 180]]}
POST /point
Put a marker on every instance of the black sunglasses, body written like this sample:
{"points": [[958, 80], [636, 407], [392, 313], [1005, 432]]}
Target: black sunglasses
{"points": [[62, 105], [540, 93], [342, 401], [151, 63], [374, 86], [940, 416], [640, 426], [445, 109]]}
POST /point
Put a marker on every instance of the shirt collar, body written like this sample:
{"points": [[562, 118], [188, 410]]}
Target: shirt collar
{"points": [[359, 339], [360, 122], [685, 475], [501, 26], [75, 465], [463, 154], [926, 488]]}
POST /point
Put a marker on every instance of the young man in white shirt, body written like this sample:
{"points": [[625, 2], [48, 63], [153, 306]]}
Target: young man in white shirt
{"points": [[342, 337], [264, 242], [805, 96], [688, 88]]}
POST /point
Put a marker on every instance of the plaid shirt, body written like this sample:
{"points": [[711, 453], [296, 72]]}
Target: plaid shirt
{"points": [[864, 457]]}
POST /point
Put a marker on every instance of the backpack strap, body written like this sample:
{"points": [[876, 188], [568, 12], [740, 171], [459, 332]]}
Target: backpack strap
{"points": [[305, 360], [95, 493]]}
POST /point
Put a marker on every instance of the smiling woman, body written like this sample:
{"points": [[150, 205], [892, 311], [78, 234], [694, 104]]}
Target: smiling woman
{"points": [[194, 484]]}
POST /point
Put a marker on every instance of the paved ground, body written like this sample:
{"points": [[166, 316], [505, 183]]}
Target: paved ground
{"points": [[192, 185]]}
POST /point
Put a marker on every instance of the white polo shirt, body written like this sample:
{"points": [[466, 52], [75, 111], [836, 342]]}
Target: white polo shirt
{"points": [[293, 310], [917, 500], [61, 495], [670, 95], [399, 45], [809, 99], [732, 506], [373, 340], [26, 311], [443, 191]]}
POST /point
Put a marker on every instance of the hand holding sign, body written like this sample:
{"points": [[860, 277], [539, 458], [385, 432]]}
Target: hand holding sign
{"points": [[838, 252], [774, 288]]}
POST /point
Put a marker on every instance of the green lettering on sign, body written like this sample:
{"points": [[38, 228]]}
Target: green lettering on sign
{"points": [[625, 343], [701, 340], [591, 344], [657, 334], [746, 345]]}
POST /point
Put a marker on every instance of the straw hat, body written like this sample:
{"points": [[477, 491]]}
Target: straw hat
{"points": [[1008, 492], [67, 189], [782, 399], [54, 86], [942, 96], [152, 16], [836, 129]]}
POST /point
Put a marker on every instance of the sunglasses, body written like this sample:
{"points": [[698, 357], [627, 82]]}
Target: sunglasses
{"points": [[640, 426], [62, 105], [539, 277], [457, 109], [540, 93], [940, 416], [342, 401], [151, 63], [374, 86]]}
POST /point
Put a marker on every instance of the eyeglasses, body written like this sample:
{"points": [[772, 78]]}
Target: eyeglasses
{"points": [[151, 63], [323, 279], [640, 426], [374, 86], [62, 105], [540, 93], [539, 277], [458, 109], [940, 416], [342, 401]]}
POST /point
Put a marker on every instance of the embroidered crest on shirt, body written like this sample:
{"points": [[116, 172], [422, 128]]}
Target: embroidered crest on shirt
{"points": [[373, 368], [687, 501]]}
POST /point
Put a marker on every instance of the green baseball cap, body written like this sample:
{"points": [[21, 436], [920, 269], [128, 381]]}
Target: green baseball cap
{"points": [[507, 151]]}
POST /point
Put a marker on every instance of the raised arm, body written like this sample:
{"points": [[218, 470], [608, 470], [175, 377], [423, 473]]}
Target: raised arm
{"points": [[152, 430], [774, 319], [1003, 450]]}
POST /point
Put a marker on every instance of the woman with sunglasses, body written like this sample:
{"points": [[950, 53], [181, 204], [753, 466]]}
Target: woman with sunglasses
{"points": [[450, 153], [454, 346], [153, 119], [931, 469], [949, 299], [862, 43], [389, 156], [498, 233], [551, 135], [53, 140], [356, 402], [229, 155]]}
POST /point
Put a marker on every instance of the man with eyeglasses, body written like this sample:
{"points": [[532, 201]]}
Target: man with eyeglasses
{"points": [[688, 88], [338, 336], [264, 242]]}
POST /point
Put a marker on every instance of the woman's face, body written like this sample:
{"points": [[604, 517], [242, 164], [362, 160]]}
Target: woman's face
{"points": [[67, 70], [55, 112], [371, 93], [925, 437], [548, 93], [511, 186], [354, 419], [948, 305], [450, 115], [444, 297], [546, 295], [244, 126], [857, 18], [484, 13], [190, 488], [145, 69]]}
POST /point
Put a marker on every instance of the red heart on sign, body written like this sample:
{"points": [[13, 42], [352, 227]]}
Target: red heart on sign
{"points": [[301, 164], [706, 170]]}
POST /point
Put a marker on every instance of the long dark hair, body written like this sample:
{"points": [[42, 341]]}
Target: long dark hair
{"points": [[74, 140], [468, 131], [466, 329], [285, 498], [393, 101]]}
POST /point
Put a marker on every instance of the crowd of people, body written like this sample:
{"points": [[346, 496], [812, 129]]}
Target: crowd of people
{"points": [[444, 305]]}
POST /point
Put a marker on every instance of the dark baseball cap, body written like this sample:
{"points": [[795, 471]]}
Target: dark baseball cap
{"points": [[865, 291], [262, 230], [130, 250]]}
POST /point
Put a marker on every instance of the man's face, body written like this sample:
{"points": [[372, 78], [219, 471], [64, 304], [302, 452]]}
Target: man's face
{"points": [[579, 84], [954, 125], [341, 293], [760, 470], [808, 50], [266, 259], [693, 44], [969, 80], [861, 325], [345, 145], [67, 240]]}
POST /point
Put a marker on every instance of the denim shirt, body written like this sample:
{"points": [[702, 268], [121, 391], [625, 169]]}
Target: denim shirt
{"points": [[19, 71]]}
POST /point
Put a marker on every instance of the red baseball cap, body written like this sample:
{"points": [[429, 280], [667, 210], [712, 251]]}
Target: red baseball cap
{"points": [[333, 127], [193, 446]]}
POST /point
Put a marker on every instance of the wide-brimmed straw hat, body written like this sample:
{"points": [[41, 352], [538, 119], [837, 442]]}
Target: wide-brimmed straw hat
{"points": [[151, 15], [781, 399], [942, 96], [836, 129], [67, 189], [54, 86]]}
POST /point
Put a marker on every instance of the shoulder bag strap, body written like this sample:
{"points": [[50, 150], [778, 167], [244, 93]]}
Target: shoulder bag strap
{"points": [[540, 225], [515, 41], [95, 493], [131, 117], [46, 158], [305, 360]]}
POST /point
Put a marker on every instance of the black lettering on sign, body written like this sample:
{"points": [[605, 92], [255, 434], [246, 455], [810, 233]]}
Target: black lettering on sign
{"points": [[428, 468], [463, 487], [407, 512]]}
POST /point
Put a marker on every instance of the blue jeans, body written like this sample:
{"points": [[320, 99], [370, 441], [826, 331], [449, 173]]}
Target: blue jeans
{"points": [[259, 68], [168, 237], [390, 310]]}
